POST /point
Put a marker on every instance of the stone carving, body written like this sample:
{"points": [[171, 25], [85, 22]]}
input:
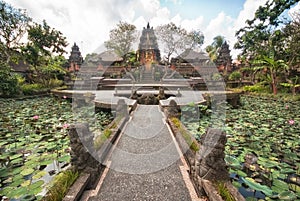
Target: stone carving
{"points": [[148, 99], [121, 109], [82, 148], [161, 94], [173, 110], [210, 164]]}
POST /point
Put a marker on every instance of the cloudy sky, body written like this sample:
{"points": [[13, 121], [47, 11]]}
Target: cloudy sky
{"points": [[88, 22]]}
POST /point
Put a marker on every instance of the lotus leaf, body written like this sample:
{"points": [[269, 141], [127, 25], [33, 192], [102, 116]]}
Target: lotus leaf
{"points": [[39, 175], [258, 187], [287, 195], [27, 171], [26, 183]]}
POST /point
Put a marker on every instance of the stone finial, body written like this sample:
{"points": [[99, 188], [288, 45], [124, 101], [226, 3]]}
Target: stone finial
{"points": [[121, 109], [173, 110]]}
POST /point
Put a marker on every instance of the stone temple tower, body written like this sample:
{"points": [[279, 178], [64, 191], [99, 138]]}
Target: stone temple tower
{"points": [[148, 51], [75, 59]]}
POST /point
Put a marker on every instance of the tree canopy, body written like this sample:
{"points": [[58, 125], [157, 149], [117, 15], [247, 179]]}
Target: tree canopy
{"points": [[43, 43], [121, 38], [264, 30], [13, 26], [175, 39]]}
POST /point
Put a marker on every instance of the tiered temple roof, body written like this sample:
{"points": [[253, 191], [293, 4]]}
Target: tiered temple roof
{"points": [[148, 50], [75, 59]]}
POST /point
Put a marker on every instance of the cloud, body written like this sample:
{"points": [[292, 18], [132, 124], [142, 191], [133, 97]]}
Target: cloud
{"points": [[176, 2], [88, 22], [293, 12], [227, 26]]}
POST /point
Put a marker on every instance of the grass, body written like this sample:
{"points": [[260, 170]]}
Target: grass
{"points": [[99, 141], [224, 192], [60, 185], [185, 134]]}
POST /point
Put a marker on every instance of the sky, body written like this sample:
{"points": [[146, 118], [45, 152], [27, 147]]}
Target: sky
{"points": [[88, 22]]}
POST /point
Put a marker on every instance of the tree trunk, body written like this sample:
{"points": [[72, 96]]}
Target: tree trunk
{"points": [[274, 84]]}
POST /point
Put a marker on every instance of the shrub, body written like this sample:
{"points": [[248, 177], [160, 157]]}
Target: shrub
{"points": [[30, 89], [235, 75], [217, 77], [53, 83], [255, 88], [8, 83]]}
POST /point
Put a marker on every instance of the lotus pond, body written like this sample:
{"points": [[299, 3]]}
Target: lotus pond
{"points": [[33, 142], [263, 147]]}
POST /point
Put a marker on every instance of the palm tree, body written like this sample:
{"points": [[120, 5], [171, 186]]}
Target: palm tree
{"points": [[212, 49], [273, 67]]}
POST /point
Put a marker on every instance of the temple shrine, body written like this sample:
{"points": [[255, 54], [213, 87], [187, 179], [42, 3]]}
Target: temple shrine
{"points": [[75, 59], [148, 51]]}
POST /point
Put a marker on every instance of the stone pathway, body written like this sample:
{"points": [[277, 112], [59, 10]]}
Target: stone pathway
{"points": [[145, 165]]}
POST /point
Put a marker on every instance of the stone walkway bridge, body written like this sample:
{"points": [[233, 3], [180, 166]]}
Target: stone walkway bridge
{"points": [[146, 163]]}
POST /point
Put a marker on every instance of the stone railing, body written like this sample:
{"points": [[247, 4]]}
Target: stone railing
{"points": [[86, 157], [205, 159]]}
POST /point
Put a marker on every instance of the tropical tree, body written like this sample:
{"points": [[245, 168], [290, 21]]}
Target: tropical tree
{"points": [[121, 39], [196, 38], [43, 43], [272, 67], [13, 25], [213, 49], [291, 34], [254, 38]]}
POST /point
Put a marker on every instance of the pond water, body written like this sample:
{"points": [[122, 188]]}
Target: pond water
{"points": [[263, 147], [34, 145]]}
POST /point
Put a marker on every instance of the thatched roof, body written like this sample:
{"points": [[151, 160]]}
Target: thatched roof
{"points": [[191, 56], [109, 56], [20, 67]]}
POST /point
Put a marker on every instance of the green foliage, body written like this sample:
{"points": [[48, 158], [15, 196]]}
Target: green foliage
{"points": [[9, 85], [60, 185], [213, 49], [13, 26], [235, 76], [197, 38], [43, 43], [268, 128], [272, 67], [31, 89], [185, 134], [261, 33], [37, 127], [54, 83], [255, 88], [216, 77]]}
